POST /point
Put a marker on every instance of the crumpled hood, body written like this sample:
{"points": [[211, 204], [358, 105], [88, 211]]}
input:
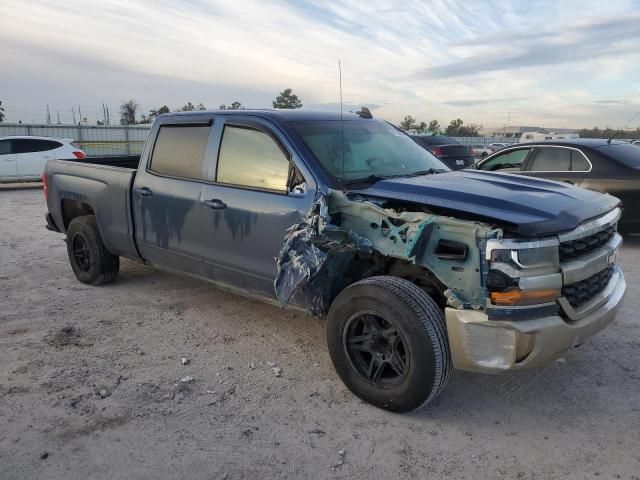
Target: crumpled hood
{"points": [[534, 207]]}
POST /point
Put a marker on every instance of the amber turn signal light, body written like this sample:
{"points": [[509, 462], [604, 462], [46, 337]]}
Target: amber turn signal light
{"points": [[524, 297]]}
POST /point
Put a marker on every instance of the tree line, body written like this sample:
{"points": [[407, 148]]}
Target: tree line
{"points": [[607, 132], [130, 108], [456, 128]]}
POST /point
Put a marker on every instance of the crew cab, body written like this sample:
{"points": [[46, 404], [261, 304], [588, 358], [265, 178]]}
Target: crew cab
{"points": [[418, 269]]}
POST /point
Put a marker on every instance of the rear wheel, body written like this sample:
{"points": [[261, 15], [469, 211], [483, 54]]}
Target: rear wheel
{"points": [[90, 260], [387, 339]]}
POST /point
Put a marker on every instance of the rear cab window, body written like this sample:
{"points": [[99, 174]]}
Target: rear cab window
{"points": [[179, 150]]}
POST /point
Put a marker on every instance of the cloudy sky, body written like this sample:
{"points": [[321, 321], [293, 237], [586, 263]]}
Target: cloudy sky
{"points": [[535, 62]]}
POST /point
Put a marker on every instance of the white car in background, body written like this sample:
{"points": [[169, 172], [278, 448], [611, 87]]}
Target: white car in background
{"points": [[22, 159], [479, 150]]}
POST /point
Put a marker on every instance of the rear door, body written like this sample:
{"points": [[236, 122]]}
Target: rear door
{"points": [[169, 217], [259, 188], [8, 168], [32, 155]]}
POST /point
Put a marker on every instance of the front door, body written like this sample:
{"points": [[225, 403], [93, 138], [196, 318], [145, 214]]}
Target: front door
{"points": [[260, 189]]}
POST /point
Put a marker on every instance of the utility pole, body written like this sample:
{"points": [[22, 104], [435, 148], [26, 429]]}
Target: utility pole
{"points": [[58, 113], [48, 116], [73, 114], [79, 115]]}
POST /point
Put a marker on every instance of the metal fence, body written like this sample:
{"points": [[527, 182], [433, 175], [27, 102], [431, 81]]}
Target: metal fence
{"points": [[105, 140], [93, 139], [485, 140]]}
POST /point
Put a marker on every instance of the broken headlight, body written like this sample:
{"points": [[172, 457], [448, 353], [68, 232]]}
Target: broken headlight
{"points": [[523, 276]]}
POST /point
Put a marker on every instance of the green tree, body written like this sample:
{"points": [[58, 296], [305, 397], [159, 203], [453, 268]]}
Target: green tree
{"points": [[409, 123], [128, 112], [470, 130], [201, 107], [434, 127], [1, 112], [235, 105], [453, 129], [287, 99], [189, 107], [159, 111]]}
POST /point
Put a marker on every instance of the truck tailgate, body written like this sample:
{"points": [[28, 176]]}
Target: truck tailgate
{"points": [[101, 189]]}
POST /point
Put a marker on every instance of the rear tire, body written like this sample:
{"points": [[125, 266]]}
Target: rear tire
{"points": [[388, 342], [90, 260]]}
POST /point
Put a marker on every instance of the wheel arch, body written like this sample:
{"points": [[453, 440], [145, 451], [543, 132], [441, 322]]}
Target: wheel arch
{"points": [[74, 208]]}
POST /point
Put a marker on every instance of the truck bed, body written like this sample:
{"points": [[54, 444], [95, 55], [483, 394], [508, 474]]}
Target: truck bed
{"points": [[124, 161], [90, 188]]}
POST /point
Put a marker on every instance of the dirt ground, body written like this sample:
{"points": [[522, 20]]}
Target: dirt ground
{"points": [[90, 386]]}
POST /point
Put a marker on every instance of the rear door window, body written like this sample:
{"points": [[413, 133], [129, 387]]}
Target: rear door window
{"points": [[252, 158], [552, 159], [179, 151], [511, 159], [578, 162], [29, 145]]}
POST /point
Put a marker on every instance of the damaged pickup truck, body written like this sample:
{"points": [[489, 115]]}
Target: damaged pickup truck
{"points": [[418, 269]]}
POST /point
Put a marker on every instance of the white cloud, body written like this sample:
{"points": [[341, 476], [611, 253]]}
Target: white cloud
{"points": [[541, 60]]}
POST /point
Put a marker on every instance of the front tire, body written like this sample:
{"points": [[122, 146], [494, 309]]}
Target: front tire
{"points": [[387, 340], [90, 260]]}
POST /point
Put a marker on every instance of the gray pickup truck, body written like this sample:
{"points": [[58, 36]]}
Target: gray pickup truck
{"points": [[418, 269]]}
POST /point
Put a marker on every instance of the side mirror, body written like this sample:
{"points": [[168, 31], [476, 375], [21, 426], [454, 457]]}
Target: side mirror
{"points": [[299, 190]]}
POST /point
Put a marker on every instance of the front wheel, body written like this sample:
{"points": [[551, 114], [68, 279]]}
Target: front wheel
{"points": [[89, 258], [387, 339]]}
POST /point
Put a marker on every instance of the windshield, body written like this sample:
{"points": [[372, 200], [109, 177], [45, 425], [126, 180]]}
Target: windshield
{"points": [[370, 148]]}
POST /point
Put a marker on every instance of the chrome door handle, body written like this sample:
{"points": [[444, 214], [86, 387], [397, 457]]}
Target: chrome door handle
{"points": [[215, 204], [143, 191]]}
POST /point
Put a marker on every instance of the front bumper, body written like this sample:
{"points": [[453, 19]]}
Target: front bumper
{"points": [[492, 346]]}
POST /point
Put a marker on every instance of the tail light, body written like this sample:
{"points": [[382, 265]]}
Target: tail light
{"points": [[79, 154], [44, 186], [437, 151]]}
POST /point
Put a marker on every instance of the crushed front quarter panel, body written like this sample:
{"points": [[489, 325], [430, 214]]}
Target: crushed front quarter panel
{"points": [[343, 225]]}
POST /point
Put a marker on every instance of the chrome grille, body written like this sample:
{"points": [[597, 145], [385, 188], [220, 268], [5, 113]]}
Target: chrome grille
{"points": [[575, 248]]}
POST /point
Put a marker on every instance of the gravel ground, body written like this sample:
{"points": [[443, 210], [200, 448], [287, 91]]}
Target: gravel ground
{"points": [[90, 386]]}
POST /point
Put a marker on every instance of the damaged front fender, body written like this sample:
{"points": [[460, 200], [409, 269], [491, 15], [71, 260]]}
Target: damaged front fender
{"points": [[343, 227]]}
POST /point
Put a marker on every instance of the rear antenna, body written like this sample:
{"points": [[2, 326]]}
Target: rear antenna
{"points": [[621, 129], [342, 180]]}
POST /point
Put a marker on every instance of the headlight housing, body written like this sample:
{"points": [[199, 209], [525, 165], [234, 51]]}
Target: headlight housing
{"points": [[523, 273]]}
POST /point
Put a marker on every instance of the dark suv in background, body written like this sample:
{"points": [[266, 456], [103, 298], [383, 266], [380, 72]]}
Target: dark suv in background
{"points": [[450, 152]]}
